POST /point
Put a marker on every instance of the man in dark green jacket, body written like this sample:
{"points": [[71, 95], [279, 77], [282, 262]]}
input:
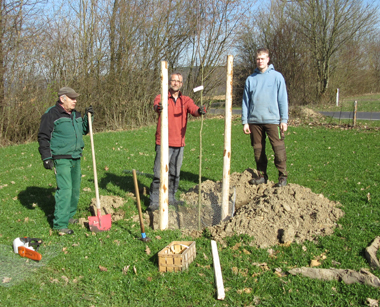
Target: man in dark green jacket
{"points": [[61, 145]]}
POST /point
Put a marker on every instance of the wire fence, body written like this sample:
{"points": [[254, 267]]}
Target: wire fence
{"points": [[185, 215], [353, 111]]}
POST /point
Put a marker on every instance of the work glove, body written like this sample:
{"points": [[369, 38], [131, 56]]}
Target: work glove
{"points": [[90, 110], [48, 164], [202, 110], [159, 107]]}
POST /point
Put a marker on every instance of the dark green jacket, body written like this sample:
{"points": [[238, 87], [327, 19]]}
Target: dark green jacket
{"points": [[61, 134]]}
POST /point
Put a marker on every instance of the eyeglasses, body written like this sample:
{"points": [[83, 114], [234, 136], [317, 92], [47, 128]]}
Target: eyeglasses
{"points": [[176, 81]]}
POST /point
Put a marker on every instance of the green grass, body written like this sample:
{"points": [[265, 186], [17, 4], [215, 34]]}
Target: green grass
{"points": [[365, 103], [342, 164], [360, 124]]}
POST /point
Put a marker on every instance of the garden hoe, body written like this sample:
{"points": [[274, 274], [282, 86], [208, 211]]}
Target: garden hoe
{"points": [[99, 222], [143, 238]]}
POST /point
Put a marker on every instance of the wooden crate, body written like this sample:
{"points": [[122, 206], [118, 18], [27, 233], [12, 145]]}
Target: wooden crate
{"points": [[176, 256]]}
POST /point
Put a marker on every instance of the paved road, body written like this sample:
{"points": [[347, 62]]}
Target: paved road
{"points": [[337, 114]]}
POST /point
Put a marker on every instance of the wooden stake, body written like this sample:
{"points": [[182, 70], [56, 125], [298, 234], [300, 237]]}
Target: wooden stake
{"points": [[164, 172], [200, 164], [227, 139], [218, 271], [355, 111]]}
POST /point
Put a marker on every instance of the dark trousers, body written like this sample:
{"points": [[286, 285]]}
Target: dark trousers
{"points": [[67, 195], [258, 138], [175, 163]]}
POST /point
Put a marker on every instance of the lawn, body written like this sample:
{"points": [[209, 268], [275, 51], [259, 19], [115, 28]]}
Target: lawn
{"points": [[342, 164], [365, 103]]}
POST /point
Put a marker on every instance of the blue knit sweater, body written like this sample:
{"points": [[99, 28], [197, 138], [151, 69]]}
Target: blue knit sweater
{"points": [[265, 100]]}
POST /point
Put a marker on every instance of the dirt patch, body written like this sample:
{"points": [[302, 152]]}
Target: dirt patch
{"points": [[299, 115], [109, 205], [304, 113], [310, 114], [270, 215]]}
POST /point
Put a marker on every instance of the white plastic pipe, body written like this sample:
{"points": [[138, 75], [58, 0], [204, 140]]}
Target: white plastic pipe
{"points": [[337, 97], [218, 271]]}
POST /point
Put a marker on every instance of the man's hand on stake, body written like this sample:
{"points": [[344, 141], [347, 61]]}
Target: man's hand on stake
{"points": [[202, 110], [48, 164], [246, 129], [90, 110], [158, 107]]}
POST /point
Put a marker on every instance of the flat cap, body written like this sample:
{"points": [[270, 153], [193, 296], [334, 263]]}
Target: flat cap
{"points": [[68, 91]]}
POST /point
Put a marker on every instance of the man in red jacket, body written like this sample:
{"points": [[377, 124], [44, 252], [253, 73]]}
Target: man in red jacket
{"points": [[178, 108]]}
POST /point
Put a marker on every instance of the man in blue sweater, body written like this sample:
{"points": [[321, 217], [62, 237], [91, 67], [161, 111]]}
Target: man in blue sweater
{"points": [[265, 113]]}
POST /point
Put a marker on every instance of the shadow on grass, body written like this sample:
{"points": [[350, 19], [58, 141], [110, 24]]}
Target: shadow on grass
{"points": [[42, 197], [125, 183], [127, 229], [191, 177]]}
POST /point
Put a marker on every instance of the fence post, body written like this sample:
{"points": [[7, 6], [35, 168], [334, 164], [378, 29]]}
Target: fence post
{"points": [[355, 111], [337, 97]]}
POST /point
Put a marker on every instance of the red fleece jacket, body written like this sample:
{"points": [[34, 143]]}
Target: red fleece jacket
{"points": [[177, 118]]}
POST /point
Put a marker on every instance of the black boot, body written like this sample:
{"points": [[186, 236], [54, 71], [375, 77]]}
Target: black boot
{"points": [[260, 180], [282, 181]]}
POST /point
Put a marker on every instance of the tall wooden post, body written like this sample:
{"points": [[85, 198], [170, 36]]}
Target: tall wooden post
{"points": [[355, 111], [227, 138], [164, 172]]}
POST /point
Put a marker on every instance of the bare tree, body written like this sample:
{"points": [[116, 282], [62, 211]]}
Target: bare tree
{"points": [[270, 27], [374, 61], [108, 50], [17, 26], [215, 24], [328, 25], [137, 45]]}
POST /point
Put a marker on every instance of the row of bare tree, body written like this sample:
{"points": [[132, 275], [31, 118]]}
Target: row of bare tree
{"points": [[318, 45], [110, 51]]}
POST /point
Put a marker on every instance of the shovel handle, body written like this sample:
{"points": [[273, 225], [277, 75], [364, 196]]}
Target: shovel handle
{"points": [[138, 200], [94, 163]]}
